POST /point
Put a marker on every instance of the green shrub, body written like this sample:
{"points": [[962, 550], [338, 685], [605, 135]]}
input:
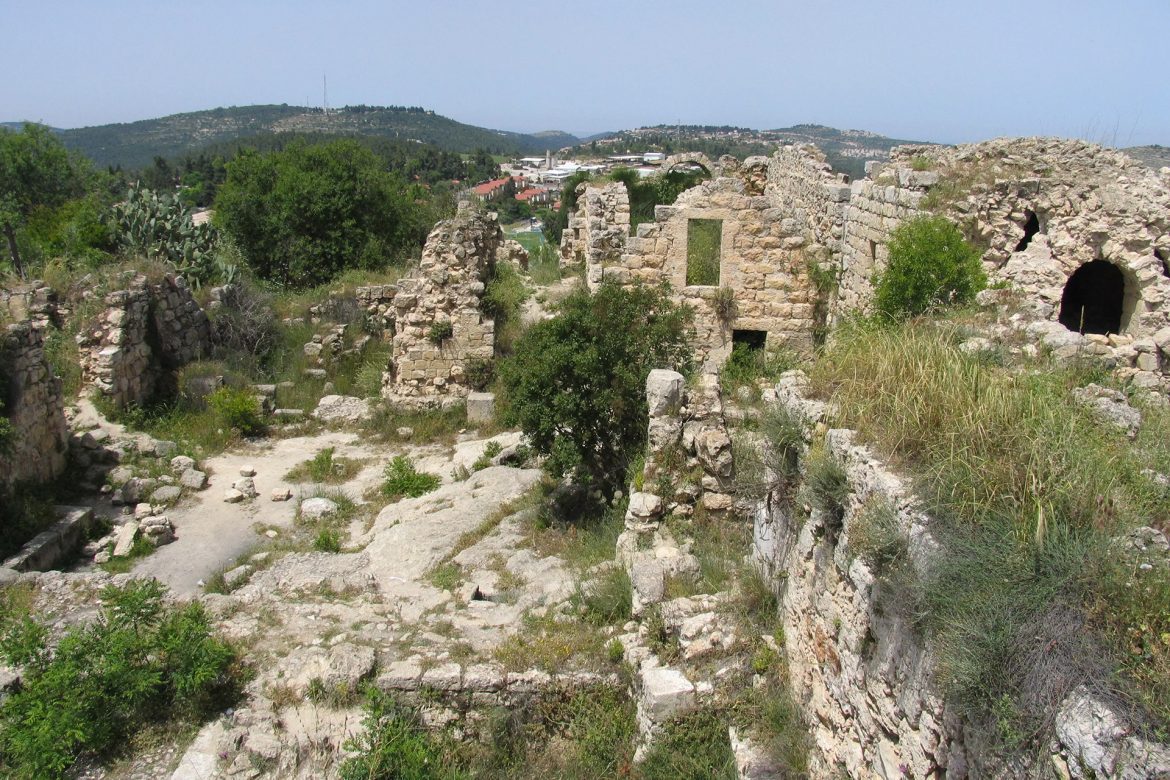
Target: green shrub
{"points": [[502, 301], [238, 409], [394, 745], [479, 373], [576, 384], [930, 266], [828, 487], [140, 663], [440, 331], [402, 479], [327, 540], [490, 450]]}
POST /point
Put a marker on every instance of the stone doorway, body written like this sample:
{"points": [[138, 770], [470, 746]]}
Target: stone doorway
{"points": [[1094, 299]]}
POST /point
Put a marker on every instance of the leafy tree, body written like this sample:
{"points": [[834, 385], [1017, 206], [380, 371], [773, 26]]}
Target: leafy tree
{"points": [[35, 171], [306, 213], [930, 266], [577, 382]]}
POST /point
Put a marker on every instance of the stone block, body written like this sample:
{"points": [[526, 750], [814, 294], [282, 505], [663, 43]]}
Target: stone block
{"points": [[481, 407], [666, 693]]}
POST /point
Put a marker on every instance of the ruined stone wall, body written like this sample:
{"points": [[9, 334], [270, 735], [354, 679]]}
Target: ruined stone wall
{"points": [[800, 177], [863, 677], [457, 262], [1090, 203], [36, 302], [876, 206], [597, 234], [33, 406], [147, 332], [763, 262]]}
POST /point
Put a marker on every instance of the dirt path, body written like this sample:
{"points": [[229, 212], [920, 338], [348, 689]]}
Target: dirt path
{"points": [[212, 534]]}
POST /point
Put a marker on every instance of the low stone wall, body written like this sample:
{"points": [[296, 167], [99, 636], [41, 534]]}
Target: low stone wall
{"points": [[34, 407], [147, 332], [457, 262], [864, 678], [35, 301]]}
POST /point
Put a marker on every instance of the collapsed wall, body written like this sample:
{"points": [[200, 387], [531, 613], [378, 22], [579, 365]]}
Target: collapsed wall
{"points": [[440, 330], [33, 404], [864, 677], [147, 332]]}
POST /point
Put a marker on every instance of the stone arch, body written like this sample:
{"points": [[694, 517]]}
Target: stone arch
{"points": [[1031, 228], [712, 169], [1099, 297]]}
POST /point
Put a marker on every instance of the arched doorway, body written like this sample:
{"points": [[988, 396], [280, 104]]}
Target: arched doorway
{"points": [[1094, 299]]}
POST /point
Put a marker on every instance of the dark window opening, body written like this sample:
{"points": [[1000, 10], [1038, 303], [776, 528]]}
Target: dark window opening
{"points": [[873, 250], [1031, 228], [1158, 253], [704, 247], [751, 339], [1093, 299]]}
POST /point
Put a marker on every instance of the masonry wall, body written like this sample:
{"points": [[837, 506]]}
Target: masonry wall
{"points": [[596, 235], [864, 678], [34, 408], [147, 332], [763, 262], [457, 262], [800, 178]]}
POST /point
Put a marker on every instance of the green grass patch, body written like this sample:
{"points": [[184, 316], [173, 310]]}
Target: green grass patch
{"points": [[704, 240], [1030, 596], [326, 468], [693, 747], [403, 480]]}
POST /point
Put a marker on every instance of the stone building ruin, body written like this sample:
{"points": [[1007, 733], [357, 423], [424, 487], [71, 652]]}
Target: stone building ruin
{"points": [[1081, 233], [742, 248]]}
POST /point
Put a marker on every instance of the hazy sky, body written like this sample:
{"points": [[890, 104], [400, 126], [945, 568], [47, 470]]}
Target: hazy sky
{"points": [[939, 70]]}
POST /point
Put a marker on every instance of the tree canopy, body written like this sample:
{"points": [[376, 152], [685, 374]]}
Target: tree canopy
{"points": [[576, 384], [303, 214], [35, 171]]}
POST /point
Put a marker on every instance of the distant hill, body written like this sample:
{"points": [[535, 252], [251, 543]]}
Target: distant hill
{"points": [[846, 150], [136, 144], [1154, 156]]}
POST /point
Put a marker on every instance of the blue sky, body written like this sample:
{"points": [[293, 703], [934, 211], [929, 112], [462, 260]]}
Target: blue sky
{"points": [[920, 69]]}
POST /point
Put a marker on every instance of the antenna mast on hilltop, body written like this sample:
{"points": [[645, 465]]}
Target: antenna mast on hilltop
{"points": [[324, 95]]}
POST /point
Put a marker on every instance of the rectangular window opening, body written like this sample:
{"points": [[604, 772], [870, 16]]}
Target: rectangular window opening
{"points": [[704, 244]]}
